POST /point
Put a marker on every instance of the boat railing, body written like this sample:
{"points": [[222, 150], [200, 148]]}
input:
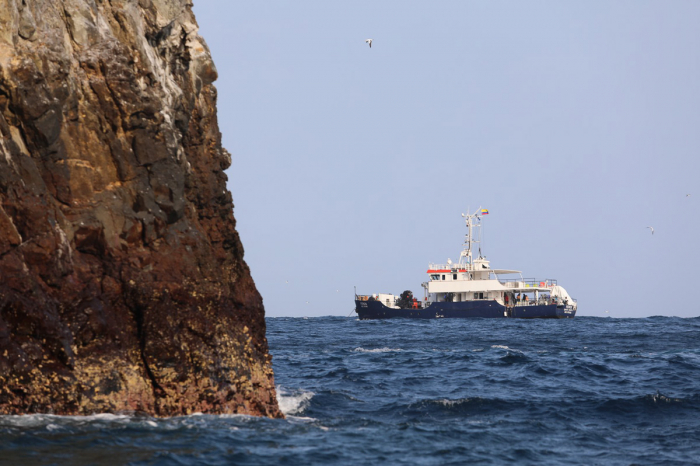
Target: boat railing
{"points": [[536, 302], [451, 267], [543, 301], [527, 282]]}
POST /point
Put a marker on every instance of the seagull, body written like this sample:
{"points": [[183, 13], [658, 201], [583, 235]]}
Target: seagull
{"points": [[652, 230], [687, 195], [369, 41]]}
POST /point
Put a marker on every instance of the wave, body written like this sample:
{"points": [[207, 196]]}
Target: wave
{"points": [[377, 350], [638, 405], [57, 423], [652, 402], [293, 403], [515, 357], [53, 421]]}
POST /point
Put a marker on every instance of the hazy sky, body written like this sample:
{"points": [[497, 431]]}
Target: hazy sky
{"points": [[577, 124]]}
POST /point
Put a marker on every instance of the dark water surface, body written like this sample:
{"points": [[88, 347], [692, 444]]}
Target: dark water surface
{"points": [[481, 391]]}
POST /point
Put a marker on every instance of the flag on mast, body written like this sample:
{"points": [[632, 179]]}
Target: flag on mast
{"points": [[484, 211]]}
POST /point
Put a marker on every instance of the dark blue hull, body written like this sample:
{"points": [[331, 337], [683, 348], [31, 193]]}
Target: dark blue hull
{"points": [[463, 310]]}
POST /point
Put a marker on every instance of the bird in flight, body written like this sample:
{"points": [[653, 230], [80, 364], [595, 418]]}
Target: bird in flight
{"points": [[369, 41], [687, 195], [652, 230]]}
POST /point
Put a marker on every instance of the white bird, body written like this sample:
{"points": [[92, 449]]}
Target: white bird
{"points": [[687, 195], [652, 230], [369, 41]]}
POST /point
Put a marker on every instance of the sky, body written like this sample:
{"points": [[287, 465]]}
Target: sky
{"points": [[576, 124]]}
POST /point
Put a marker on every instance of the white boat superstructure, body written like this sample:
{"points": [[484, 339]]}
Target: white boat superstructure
{"points": [[473, 279]]}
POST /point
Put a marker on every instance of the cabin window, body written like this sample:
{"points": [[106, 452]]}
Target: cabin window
{"points": [[454, 276], [435, 277], [443, 277], [478, 295]]}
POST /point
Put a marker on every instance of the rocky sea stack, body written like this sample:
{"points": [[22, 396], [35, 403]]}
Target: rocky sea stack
{"points": [[122, 281]]}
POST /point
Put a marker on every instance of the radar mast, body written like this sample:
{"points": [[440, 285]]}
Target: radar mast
{"points": [[473, 221]]}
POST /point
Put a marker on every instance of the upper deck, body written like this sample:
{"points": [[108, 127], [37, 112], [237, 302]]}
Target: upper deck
{"points": [[458, 282], [475, 275]]}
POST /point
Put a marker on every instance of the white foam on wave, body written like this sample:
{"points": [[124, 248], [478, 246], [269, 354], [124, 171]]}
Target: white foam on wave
{"points": [[293, 403], [447, 402], [53, 422], [508, 348], [377, 350], [290, 403], [301, 418], [229, 416]]}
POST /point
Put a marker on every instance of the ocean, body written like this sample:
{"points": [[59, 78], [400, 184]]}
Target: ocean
{"points": [[439, 392]]}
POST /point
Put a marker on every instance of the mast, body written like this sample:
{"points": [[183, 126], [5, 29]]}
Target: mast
{"points": [[466, 256]]}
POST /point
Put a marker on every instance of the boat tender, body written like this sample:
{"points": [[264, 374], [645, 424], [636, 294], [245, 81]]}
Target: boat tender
{"points": [[471, 288]]}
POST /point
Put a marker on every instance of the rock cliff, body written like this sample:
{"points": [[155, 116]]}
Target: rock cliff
{"points": [[122, 281]]}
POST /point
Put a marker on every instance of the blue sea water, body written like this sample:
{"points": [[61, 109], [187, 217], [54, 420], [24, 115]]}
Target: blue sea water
{"points": [[448, 391]]}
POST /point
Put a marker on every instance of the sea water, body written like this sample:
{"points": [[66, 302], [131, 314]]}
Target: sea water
{"points": [[435, 392]]}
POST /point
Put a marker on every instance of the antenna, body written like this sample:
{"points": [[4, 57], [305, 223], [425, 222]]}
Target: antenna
{"points": [[471, 220]]}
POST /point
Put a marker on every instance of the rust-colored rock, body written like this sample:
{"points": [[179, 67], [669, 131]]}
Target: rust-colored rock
{"points": [[122, 281]]}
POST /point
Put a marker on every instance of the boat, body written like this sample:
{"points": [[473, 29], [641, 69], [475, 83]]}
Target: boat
{"points": [[471, 288]]}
